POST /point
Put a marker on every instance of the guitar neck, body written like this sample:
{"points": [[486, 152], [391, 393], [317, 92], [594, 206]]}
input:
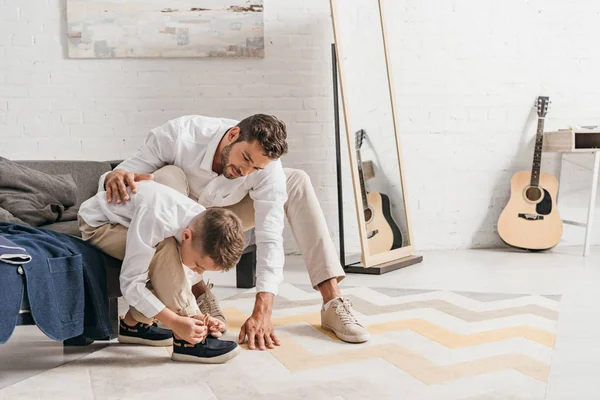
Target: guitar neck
{"points": [[537, 154], [361, 177]]}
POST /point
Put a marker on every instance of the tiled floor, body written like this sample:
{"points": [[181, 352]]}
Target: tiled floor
{"points": [[575, 361]]}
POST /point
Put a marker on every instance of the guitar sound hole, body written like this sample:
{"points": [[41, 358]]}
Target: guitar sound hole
{"points": [[533, 194], [368, 214]]}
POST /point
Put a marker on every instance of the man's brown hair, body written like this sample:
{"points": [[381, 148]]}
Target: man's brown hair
{"points": [[219, 233], [268, 130]]}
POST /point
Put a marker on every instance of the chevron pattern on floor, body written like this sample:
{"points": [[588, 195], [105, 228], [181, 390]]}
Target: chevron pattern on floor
{"points": [[425, 345], [435, 337]]}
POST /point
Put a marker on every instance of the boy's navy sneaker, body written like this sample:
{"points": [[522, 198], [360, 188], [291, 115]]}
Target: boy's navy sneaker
{"points": [[212, 351], [140, 333]]}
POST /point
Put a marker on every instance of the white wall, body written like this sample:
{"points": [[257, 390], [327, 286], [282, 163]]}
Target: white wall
{"points": [[466, 73]]}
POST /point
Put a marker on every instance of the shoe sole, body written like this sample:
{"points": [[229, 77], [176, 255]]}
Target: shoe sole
{"points": [[146, 342], [212, 360], [348, 338]]}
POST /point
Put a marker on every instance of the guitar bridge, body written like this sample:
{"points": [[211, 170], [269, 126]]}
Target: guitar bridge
{"points": [[372, 233], [531, 217]]}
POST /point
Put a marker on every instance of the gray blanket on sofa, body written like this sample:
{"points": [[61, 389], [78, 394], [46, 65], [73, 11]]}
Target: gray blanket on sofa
{"points": [[31, 197]]}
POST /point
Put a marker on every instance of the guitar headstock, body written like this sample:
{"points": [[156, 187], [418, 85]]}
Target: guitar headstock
{"points": [[542, 103], [360, 137]]}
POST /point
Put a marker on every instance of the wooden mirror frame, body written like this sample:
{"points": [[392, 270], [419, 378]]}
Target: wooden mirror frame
{"points": [[403, 256]]}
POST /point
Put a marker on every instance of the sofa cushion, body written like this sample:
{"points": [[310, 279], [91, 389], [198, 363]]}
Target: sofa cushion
{"points": [[33, 196], [86, 175], [68, 227], [5, 216]]}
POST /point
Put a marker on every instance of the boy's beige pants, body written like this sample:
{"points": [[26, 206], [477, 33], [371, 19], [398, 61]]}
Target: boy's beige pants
{"points": [[167, 278]]}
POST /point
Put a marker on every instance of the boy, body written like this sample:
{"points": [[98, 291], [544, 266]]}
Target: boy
{"points": [[208, 240]]}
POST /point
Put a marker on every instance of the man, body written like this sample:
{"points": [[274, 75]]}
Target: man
{"points": [[225, 163]]}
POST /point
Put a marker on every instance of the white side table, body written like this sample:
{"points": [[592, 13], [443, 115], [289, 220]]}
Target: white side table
{"points": [[577, 142]]}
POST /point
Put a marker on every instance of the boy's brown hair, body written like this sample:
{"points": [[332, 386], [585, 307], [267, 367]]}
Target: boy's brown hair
{"points": [[219, 233]]}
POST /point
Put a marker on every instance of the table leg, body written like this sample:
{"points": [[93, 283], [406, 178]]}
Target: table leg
{"points": [[588, 229], [559, 176]]}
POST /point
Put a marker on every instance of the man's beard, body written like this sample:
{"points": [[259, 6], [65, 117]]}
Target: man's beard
{"points": [[225, 162]]}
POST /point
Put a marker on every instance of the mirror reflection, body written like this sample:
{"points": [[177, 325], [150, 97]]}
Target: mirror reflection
{"points": [[370, 123]]}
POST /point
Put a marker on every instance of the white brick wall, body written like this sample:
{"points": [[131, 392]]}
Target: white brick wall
{"points": [[466, 73]]}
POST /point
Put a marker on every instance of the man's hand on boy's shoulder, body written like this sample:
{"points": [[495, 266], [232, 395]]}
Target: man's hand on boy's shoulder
{"points": [[116, 183]]}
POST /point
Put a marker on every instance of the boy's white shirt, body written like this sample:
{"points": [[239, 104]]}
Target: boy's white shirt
{"points": [[154, 213]]}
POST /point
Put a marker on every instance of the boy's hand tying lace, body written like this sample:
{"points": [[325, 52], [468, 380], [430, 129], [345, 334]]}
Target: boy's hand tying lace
{"points": [[189, 329], [214, 325]]}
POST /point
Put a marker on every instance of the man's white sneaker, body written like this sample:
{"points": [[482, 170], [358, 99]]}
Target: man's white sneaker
{"points": [[340, 319], [208, 304]]}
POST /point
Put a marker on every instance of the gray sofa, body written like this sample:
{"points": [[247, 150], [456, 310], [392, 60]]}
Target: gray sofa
{"points": [[86, 175]]}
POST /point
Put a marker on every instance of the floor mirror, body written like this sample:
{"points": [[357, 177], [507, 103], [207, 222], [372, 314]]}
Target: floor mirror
{"points": [[372, 135]]}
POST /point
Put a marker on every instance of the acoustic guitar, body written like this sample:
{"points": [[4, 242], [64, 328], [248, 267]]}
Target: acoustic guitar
{"points": [[530, 220], [383, 233]]}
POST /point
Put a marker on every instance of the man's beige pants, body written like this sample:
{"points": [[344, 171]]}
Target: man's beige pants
{"points": [[167, 279]]}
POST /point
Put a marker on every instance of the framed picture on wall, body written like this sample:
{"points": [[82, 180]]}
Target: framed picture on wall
{"points": [[164, 29]]}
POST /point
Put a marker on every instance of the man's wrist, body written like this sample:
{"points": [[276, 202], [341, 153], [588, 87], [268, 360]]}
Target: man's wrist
{"points": [[264, 303]]}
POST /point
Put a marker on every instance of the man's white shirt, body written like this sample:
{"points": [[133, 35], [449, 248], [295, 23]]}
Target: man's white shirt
{"points": [[190, 143], [154, 213]]}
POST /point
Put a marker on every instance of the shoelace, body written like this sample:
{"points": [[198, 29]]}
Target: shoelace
{"points": [[204, 307], [153, 323], [211, 306], [205, 320], [344, 310], [214, 307]]}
